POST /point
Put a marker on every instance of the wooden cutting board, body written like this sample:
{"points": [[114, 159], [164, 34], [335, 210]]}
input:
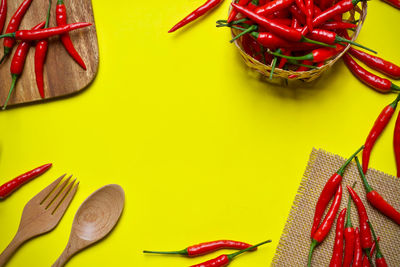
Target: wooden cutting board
{"points": [[62, 75]]}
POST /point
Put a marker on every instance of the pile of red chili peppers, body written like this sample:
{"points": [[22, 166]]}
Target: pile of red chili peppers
{"points": [[209, 247], [39, 34]]}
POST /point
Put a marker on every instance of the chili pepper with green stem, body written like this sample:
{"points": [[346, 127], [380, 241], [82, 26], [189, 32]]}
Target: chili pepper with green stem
{"points": [[224, 260], [205, 248], [337, 255], [366, 237], [276, 28], [18, 62], [61, 19], [379, 125], [388, 68], [379, 259], [323, 230], [349, 237], [207, 6], [328, 191], [376, 200], [40, 56], [35, 35], [8, 188], [13, 25], [272, 6], [317, 55], [374, 81]]}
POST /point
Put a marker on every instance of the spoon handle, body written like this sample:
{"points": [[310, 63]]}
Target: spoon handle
{"points": [[64, 257], [11, 248]]}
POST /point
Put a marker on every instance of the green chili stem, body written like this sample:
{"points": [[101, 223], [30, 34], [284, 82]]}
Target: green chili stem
{"points": [[179, 252], [12, 35], [378, 249], [248, 30], [306, 40], [305, 57], [394, 103], [231, 256], [14, 81], [368, 188], [274, 64], [341, 170], [314, 243], [48, 15], [341, 39]]}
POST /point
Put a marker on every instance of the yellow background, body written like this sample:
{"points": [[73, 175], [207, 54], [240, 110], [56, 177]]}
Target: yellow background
{"points": [[203, 150]]}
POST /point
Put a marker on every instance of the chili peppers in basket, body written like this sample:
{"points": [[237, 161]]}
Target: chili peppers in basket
{"points": [[337, 255], [205, 248], [8, 188], [379, 125], [322, 231], [18, 62], [207, 6], [40, 56], [13, 25], [224, 260], [377, 201]]}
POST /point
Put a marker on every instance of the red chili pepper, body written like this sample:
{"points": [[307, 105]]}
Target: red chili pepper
{"points": [[377, 63], [272, 41], [276, 28], [379, 259], [205, 248], [317, 55], [395, 3], [379, 125], [40, 56], [378, 83], [300, 4], [3, 14], [366, 237], [323, 230], [309, 13], [377, 201], [13, 25], [336, 25], [207, 6], [349, 237], [328, 191], [396, 143], [34, 35], [365, 261], [224, 260], [253, 5], [272, 6], [337, 9], [337, 254], [357, 259], [18, 62], [233, 13], [61, 19], [281, 14], [8, 188], [298, 14]]}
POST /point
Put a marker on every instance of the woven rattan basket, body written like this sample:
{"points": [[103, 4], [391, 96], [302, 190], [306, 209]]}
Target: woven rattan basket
{"points": [[281, 76]]}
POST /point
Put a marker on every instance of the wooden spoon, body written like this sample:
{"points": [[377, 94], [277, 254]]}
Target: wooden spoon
{"points": [[95, 218]]}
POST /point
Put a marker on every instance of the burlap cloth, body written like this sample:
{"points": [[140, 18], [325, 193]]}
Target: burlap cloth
{"points": [[295, 241]]}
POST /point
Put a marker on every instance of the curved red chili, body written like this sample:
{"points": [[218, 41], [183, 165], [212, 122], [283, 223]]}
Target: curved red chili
{"points": [[316, 55], [61, 19], [328, 191], [379, 259], [336, 25], [40, 56], [323, 230], [3, 14], [207, 6], [18, 62], [366, 237], [8, 188], [233, 13], [349, 237], [309, 4], [276, 28], [205, 248], [272, 41], [388, 68], [379, 125], [337, 255], [377, 201], [273, 6], [224, 260], [35, 35], [396, 143], [13, 26], [380, 84], [357, 259]]}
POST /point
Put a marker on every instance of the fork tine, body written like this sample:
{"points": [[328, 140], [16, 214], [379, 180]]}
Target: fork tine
{"points": [[42, 195], [49, 200], [65, 203], [57, 201]]}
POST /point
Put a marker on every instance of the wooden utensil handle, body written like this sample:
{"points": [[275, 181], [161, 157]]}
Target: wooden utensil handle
{"points": [[10, 249], [64, 257]]}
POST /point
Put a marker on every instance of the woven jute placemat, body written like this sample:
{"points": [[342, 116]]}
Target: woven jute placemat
{"points": [[295, 241]]}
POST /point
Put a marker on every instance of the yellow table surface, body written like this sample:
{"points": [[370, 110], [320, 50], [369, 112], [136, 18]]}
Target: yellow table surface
{"points": [[203, 150]]}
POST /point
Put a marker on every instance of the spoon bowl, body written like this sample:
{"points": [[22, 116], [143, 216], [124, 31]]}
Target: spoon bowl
{"points": [[95, 218]]}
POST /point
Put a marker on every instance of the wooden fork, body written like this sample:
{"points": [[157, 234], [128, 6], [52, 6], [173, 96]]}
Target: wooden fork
{"points": [[42, 214]]}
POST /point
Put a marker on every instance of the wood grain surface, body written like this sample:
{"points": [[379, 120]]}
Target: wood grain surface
{"points": [[62, 75]]}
